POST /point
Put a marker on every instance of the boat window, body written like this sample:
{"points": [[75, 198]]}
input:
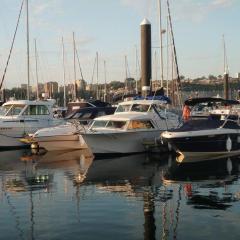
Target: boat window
{"points": [[77, 115], [159, 108], [140, 124], [99, 124], [36, 110], [116, 124], [5, 109], [15, 110], [101, 113], [140, 108], [86, 115], [123, 108]]}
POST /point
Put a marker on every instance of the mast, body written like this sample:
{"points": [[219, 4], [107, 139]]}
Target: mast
{"points": [[97, 75], [167, 56], [160, 37], [74, 68], [64, 75], [105, 82], [28, 62], [136, 77], [36, 60]]}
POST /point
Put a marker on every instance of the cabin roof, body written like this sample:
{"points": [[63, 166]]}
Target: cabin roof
{"points": [[29, 102], [125, 117], [143, 102]]}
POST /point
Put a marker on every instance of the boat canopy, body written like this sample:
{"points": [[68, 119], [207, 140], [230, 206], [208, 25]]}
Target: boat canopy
{"points": [[195, 101]]}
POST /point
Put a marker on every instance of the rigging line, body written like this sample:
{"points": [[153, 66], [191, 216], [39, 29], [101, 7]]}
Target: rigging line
{"points": [[13, 41], [80, 68], [95, 60], [173, 43]]}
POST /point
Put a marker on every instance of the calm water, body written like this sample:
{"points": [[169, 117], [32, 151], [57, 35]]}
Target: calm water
{"points": [[72, 196]]}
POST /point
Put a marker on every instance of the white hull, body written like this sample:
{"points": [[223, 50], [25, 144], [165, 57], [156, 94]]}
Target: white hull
{"points": [[61, 142], [7, 142], [119, 142], [192, 157]]}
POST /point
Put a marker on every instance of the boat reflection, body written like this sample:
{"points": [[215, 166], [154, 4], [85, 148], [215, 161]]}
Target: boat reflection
{"points": [[206, 184], [160, 185]]}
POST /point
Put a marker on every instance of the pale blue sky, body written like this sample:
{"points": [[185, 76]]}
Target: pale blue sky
{"points": [[111, 27]]}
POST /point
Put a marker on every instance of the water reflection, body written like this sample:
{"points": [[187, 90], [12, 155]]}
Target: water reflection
{"points": [[60, 195]]}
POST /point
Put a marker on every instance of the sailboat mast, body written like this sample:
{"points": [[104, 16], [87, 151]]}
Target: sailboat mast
{"points": [[28, 62], [97, 75], [160, 37], [36, 61], [105, 82], [64, 75], [74, 67]]}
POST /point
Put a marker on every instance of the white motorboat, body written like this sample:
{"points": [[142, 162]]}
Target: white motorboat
{"points": [[67, 136], [125, 130], [22, 117], [62, 137]]}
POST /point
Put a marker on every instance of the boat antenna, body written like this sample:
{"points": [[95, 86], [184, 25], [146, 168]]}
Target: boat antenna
{"points": [[97, 75], [11, 48]]}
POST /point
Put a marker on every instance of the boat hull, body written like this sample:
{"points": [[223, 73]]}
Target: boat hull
{"points": [[205, 146], [9, 143], [118, 143], [61, 142]]}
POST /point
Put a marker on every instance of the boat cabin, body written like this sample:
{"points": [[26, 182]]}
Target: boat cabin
{"points": [[26, 108], [125, 123], [141, 106]]}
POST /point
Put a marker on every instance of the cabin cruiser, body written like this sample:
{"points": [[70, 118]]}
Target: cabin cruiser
{"points": [[67, 136], [215, 136], [125, 130], [21, 117]]}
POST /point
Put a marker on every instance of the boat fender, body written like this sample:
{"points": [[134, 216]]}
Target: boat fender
{"points": [[229, 144], [169, 147], [229, 166]]}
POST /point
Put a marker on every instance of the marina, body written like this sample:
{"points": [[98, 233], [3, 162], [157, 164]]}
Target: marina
{"points": [[101, 134], [67, 195]]}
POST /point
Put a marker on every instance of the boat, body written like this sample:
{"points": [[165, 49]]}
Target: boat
{"points": [[124, 131], [208, 138], [21, 117], [67, 136]]}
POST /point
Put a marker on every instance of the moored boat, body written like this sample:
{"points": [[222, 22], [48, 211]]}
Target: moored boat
{"points": [[213, 137]]}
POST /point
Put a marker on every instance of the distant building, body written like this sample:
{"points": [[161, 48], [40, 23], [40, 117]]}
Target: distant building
{"points": [[51, 88], [81, 85]]}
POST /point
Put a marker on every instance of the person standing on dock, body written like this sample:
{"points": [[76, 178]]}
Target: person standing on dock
{"points": [[186, 113]]}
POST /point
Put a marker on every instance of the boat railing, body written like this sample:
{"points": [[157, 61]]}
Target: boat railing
{"points": [[228, 119]]}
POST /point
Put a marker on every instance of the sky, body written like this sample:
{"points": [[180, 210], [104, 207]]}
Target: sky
{"points": [[112, 28]]}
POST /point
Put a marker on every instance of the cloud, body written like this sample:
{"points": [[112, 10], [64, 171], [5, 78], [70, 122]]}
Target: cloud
{"points": [[143, 7], [198, 10]]}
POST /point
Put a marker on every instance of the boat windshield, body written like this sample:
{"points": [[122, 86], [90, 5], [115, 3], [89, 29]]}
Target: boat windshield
{"points": [[13, 110], [116, 124], [140, 107], [140, 124], [108, 124], [99, 124], [123, 108]]}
